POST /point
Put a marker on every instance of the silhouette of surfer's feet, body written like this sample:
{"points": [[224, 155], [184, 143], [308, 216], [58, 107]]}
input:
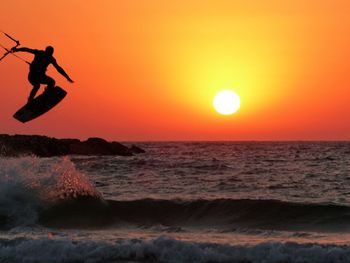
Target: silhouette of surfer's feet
{"points": [[49, 87]]}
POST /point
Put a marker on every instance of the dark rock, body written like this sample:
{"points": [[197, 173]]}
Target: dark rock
{"points": [[135, 149], [42, 146]]}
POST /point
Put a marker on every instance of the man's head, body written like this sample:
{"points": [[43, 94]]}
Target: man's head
{"points": [[49, 50]]}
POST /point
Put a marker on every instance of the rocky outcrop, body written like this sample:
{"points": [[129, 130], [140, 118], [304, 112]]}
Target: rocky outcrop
{"points": [[42, 146], [136, 149]]}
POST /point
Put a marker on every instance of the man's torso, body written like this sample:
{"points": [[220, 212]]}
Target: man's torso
{"points": [[40, 63]]}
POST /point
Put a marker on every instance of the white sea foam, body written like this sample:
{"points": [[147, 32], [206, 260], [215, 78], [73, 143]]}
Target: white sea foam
{"points": [[164, 249], [27, 184]]}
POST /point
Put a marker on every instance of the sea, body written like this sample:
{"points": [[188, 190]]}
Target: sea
{"points": [[244, 202]]}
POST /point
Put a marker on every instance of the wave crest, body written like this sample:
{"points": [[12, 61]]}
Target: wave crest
{"points": [[29, 185]]}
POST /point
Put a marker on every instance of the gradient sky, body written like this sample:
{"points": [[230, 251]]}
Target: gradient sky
{"points": [[149, 69]]}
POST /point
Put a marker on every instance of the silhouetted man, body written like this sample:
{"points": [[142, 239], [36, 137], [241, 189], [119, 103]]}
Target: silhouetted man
{"points": [[37, 73]]}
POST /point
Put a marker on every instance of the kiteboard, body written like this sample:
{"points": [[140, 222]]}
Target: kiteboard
{"points": [[41, 104]]}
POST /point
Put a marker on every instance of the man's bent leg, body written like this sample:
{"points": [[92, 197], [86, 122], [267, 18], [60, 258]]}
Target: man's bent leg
{"points": [[49, 81]]}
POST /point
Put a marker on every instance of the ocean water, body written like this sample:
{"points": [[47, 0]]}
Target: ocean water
{"points": [[180, 202]]}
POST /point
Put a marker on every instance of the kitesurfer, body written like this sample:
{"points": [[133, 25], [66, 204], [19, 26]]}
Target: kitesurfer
{"points": [[37, 71]]}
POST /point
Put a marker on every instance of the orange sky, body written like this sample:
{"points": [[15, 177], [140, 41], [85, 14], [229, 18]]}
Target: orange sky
{"points": [[149, 69]]}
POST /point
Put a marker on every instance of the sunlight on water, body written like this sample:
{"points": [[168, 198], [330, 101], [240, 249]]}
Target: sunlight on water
{"points": [[51, 179], [70, 183]]}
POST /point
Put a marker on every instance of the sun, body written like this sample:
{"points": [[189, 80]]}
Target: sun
{"points": [[226, 102]]}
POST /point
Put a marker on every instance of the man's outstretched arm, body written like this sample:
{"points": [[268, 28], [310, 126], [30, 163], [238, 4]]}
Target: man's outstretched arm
{"points": [[24, 49], [61, 71]]}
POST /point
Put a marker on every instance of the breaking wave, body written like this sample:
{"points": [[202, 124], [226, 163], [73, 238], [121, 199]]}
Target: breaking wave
{"points": [[52, 192], [29, 185]]}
